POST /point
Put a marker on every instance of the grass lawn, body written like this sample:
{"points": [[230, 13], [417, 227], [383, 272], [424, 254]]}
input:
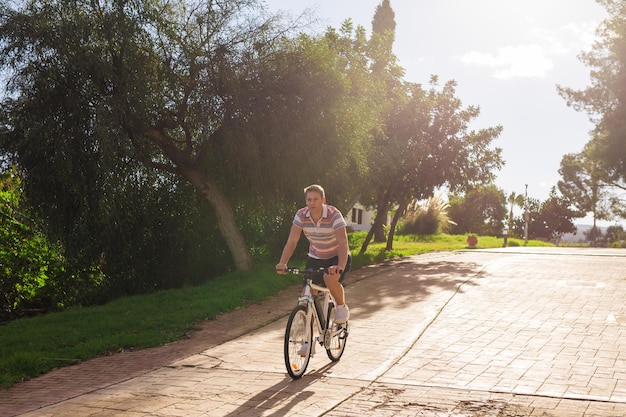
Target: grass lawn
{"points": [[34, 346]]}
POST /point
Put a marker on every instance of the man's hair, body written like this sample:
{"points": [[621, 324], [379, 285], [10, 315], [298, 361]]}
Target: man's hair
{"points": [[315, 188]]}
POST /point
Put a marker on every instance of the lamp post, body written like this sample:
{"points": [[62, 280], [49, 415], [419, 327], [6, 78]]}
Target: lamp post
{"points": [[526, 216]]}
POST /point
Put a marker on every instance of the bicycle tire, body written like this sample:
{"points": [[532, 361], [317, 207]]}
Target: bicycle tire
{"points": [[295, 337], [336, 344]]}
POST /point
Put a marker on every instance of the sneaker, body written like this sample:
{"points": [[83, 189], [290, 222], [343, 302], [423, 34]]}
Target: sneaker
{"points": [[304, 350], [342, 314]]}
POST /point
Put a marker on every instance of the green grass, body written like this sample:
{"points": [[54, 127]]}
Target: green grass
{"points": [[34, 346]]}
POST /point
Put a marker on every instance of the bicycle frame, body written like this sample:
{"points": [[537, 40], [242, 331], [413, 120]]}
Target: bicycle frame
{"points": [[312, 316], [315, 315]]}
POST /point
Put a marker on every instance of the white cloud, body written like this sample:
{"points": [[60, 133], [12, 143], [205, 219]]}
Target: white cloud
{"points": [[535, 58], [582, 35], [522, 61]]}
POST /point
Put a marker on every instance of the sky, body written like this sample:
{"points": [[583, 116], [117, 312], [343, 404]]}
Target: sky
{"points": [[507, 57]]}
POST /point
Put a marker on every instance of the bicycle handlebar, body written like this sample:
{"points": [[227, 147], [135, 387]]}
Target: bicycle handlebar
{"points": [[305, 271]]}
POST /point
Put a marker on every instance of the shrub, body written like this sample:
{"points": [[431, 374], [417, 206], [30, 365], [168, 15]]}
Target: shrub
{"points": [[427, 218]]}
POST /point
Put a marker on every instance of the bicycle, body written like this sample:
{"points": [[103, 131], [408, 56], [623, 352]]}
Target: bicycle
{"points": [[313, 314]]}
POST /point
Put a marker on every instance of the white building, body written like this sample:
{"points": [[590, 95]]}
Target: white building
{"points": [[360, 218]]}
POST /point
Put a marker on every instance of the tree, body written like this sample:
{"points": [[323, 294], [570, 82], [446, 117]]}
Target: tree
{"points": [[615, 235], [514, 199], [583, 186], [605, 100], [532, 208], [30, 260], [207, 92], [550, 219], [481, 211], [557, 217], [427, 144], [384, 19], [386, 76], [383, 36]]}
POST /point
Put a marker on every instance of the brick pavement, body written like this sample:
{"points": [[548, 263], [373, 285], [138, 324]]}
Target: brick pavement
{"points": [[525, 332]]}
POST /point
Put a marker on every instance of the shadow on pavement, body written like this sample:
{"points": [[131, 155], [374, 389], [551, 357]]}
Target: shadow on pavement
{"points": [[408, 281]]}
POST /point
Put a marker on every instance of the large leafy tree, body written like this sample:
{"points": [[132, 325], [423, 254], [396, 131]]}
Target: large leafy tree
{"points": [[423, 141], [481, 211], [547, 220], [605, 99], [205, 91], [428, 144], [582, 184], [555, 218]]}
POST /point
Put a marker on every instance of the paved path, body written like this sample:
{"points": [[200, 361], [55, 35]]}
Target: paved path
{"points": [[514, 332]]}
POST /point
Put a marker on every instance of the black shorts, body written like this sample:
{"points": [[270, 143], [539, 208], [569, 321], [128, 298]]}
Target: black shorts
{"points": [[313, 263]]}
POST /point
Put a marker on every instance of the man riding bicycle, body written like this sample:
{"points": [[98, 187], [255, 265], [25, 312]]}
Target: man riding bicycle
{"points": [[325, 228]]}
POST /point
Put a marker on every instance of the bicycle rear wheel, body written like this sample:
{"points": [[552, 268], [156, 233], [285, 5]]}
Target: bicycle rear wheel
{"points": [[296, 336], [336, 336]]}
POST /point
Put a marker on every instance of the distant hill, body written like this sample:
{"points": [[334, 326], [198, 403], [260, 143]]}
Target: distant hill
{"points": [[579, 236]]}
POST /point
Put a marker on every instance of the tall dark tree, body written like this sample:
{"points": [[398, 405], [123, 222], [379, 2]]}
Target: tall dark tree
{"points": [[206, 92], [387, 76], [384, 19], [383, 37]]}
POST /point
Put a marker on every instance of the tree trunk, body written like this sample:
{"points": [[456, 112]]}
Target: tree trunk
{"points": [[225, 218], [366, 242], [381, 212], [378, 223], [392, 226]]}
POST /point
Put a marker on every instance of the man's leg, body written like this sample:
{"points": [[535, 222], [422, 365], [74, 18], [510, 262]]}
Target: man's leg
{"points": [[342, 313], [335, 287]]}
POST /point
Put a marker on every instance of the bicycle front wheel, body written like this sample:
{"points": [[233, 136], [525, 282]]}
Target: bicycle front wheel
{"points": [[298, 342], [336, 336]]}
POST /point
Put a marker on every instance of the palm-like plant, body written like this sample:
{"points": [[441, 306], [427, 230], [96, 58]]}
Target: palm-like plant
{"points": [[427, 217], [514, 200]]}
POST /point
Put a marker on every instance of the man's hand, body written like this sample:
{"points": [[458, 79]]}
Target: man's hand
{"points": [[281, 269], [335, 270]]}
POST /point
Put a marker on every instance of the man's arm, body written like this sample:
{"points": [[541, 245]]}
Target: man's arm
{"points": [[344, 249]]}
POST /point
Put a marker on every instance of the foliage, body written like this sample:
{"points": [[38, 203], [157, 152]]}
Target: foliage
{"points": [[547, 220], [155, 136], [605, 99], [584, 184], [427, 144], [428, 218], [513, 199], [555, 219], [33, 274], [614, 234], [481, 210], [210, 93]]}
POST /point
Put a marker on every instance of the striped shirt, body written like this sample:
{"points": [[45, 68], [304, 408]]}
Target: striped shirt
{"points": [[322, 236]]}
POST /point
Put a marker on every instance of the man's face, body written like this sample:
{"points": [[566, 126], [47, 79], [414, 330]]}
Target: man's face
{"points": [[314, 200]]}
